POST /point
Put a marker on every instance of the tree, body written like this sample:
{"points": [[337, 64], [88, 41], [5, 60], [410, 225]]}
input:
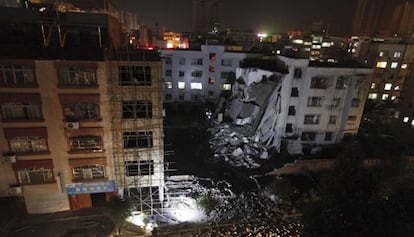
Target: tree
{"points": [[118, 210]]}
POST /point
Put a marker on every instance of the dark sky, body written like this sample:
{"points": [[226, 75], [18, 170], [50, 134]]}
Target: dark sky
{"points": [[256, 15]]}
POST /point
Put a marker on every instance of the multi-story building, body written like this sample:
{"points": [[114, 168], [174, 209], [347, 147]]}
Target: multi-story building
{"points": [[199, 75], [299, 105], [78, 124]]}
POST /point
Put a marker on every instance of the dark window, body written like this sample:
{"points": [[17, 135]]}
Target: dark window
{"points": [[16, 75], [211, 80], [139, 167], [308, 136], [138, 139], [181, 73], [135, 75], [352, 118], [211, 68], [332, 119], [319, 82], [297, 73], [210, 93], [181, 96], [197, 61], [86, 172], [213, 56], [21, 111], [168, 72], [77, 76], [312, 119], [35, 175], [294, 92], [289, 128], [168, 97], [355, 102], [168, 60], [340, 83], [292, 110], [28, 144], [86, 143], [136, 109], [328, 136], [81, 111], [314, 101], [197, 73]]}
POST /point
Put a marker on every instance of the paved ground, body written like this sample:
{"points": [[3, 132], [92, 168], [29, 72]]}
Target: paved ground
{"points": [[82, 223]]}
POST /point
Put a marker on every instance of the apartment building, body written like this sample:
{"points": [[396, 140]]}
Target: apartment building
{"points": [[299, 105], [199, 75]]}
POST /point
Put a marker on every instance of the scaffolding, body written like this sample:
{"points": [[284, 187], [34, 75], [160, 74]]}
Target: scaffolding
{"points": [[137, 130]]}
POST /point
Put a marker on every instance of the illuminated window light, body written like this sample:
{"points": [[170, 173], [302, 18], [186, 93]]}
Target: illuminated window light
{"points": [[393, 97], [387, 86], [397, 88], [196, 85], [397, 54], [226, 87], [168, 84], [385, 96], [298, 41], [403, 66], [372, 96], [381, 64], [181, 85], [373, 85], [394, 65], [406, 119], [412, 122]]}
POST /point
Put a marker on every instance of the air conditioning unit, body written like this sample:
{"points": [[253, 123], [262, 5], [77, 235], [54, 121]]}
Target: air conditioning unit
{"points": [[15, 191], [72, 125]]}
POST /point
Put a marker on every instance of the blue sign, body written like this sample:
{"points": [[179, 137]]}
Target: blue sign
{"points": [[95, 187]]}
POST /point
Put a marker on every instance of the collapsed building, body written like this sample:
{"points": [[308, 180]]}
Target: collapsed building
{"points": [[296, 105]]}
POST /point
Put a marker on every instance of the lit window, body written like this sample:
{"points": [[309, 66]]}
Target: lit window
{"points": [[226, 87], [326, 44], [168, 84], [84, 172], [394, 65], [181, 85], [381, 53], [212, 56], [397, 54], [372, 96], [381, 64], [412, 122], [406, 119], [387, 86], [211, 68], [211, 80], [393, 97], [196, 85], [385, 96], [373, 85], [87, 143], [397, 88], [29, 144], [403, 66]]}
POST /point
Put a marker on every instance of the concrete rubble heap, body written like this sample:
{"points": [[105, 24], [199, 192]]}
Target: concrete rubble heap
{"points": [[234, 148]]}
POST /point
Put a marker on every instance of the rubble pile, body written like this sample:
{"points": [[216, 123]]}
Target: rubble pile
{"points": [[235, 148]]}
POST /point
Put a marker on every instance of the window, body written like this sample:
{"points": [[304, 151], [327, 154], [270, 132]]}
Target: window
{"points": [[226, 75], [141, 139], [196, 85], [211, 80], [81, 111], [294, 92], [381, 54], [226, 87], [336, 102], [168, 97], [373, 85], [319, 82], [139, 167], [308, 136], [135, 75], [355, 102], [387, 86], [197, 61], [340, 83], [168, 60], [292, 110], [312, 119], [194, 97], [181, 61], [328, 136], [406, 119], [181, 85], [352, 118], [16, 75], [227, 62], [403, 66], [168, 72], [168, 85], [181, 97], [289, 128], [385, 96], [394, 65], [28, 144], [372, 96], [381, 64], [181, 73], [397, 54], [332, 119], [212, 56], [210, 93], [86, 172], [397, 88], [196, 73], [136, 109], [77, 76], [393, 97], [211, 68], [21, 111], [35, 175], [315, 101], [86, 143], [297, 73]]}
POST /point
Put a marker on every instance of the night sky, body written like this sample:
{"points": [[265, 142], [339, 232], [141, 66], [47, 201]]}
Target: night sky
{"points": [[257, 15]]}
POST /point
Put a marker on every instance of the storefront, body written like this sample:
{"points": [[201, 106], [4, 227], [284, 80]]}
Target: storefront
{"points": [[86, 195]]}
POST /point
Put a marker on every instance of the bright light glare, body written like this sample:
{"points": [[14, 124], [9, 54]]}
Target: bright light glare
{"points": [[185, 209], [136, 218]]}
